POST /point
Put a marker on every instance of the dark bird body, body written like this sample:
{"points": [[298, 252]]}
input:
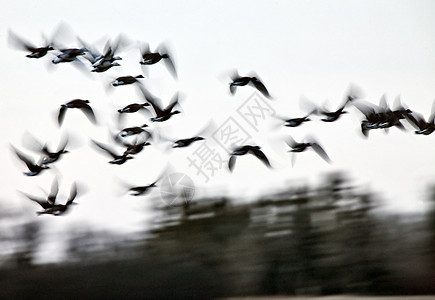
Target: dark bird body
{"points": [[124, 80], [186, 142], [132, 108], [134, 130]]}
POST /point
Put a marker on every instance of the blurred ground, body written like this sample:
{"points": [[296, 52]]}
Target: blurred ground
{"points": [[331, 239]]}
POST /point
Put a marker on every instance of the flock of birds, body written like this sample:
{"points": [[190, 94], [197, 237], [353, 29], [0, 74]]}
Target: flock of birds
{"points": [[375, 116]]}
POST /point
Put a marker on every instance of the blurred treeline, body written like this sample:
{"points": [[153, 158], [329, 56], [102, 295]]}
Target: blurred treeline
{"points": [[330, 239]]}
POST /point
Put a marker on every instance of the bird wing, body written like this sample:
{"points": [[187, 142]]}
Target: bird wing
{"points": [[44, 203], [170, 66], [233, 89], [144, 49], [155, 102], [87, 110], [19, 42], [105, 148], [416, 120], [319, 150], [174, 101], [432, 114], [232, 162], [261, 156], [290, 141], [260, 86], [54, 190], [61, 115], [62, 143], [72, 194], [29, 163]]}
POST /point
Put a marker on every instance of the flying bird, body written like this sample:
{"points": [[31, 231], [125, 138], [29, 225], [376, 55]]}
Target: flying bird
{"points": [[134, 130], [76, 103], [247, 149], [162, 114], [124, 80], [301, 147], [34, 168], [35, 52], [51, 198], [60, 209], [238, 80], [117, 159], [161, 53]]}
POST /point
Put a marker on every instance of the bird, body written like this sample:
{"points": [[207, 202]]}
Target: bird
{"points": [[34, 169], [76, 103], [124, 80], [60, 209], [418, 121], [117, 159], [151, 58], [102, 62], [35, 52], [162, 114], [69, 55], [144, 189], [238, 80], [301, 147], [132, 108], [186, 142], [134, 130], [50, 201], [48, 156], [242, 150], [131, 148], [331, 116]]}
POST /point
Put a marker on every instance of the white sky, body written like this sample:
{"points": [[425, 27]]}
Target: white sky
{"points": [[298, 48]]}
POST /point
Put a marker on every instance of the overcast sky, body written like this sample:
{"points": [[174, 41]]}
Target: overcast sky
{"points": [[313, 49]]}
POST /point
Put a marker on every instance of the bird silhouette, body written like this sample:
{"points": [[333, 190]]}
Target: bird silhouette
{"points": [[238, 80], [247, 149], [60, 209], [76, 103], [151, 58], [34, 168]]}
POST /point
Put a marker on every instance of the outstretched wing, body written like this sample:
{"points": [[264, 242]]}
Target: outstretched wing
{"points": [[319, 150], [87, 110], [155, 102], [105, 148], [29, 163], [61, 115], [261, 156], [232, 162], [72, 194], [260, 86], [19, 42], [44, 203]]}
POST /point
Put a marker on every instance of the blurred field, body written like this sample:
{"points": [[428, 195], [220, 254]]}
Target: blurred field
{"points": [[327, 240]]}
